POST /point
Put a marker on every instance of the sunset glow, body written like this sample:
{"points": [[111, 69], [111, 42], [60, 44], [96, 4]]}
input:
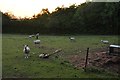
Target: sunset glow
{"points": [[27, 8]]}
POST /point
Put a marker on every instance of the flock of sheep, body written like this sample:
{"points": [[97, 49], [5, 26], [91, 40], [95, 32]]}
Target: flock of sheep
{"points": [[26, 48]]}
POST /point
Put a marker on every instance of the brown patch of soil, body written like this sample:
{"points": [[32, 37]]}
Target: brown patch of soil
{"points": [[99, 59]]}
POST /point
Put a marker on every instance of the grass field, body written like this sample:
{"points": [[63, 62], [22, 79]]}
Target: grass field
{"points": [[14, 65]]}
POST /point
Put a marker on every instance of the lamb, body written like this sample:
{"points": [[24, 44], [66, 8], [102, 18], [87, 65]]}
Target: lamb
{"points": [[36, 41], [26, 50], [105, 41]]}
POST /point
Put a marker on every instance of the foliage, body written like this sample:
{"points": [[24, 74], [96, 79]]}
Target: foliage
{"points": [[87, 18]]}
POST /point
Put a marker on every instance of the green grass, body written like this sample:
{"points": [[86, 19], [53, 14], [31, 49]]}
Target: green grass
{"points": [[14, 64]]}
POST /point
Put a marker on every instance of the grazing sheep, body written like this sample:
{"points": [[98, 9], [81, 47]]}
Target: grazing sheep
{"points": [[36, 41], [26, 50], [105, 41], [44, 55], [72, 38], [30, 36]]}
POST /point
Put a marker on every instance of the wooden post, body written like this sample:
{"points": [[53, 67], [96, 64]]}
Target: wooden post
{"points": [[86, 59]]}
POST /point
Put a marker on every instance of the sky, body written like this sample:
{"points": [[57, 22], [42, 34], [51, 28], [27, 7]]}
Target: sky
{"points": [[27, 8]]}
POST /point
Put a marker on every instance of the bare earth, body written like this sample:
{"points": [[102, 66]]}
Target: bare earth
{"points": [[99, 59]]}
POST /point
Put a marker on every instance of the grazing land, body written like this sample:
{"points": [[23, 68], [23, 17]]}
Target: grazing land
{"points": [[14, 65]]}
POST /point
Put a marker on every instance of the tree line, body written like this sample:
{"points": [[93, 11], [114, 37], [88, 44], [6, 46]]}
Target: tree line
{"points": [[99, 18]]}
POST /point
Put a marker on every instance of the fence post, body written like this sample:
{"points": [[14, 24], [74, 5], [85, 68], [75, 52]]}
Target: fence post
{"points": [[86, 59]]}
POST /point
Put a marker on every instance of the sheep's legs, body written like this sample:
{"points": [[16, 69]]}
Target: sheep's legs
{"points": [[26, 55]]}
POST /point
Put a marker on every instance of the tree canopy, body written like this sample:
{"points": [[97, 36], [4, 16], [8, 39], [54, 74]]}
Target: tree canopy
{"points": [[86, 18]]}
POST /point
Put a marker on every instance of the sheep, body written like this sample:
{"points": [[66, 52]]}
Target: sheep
{"points": [[26, 50], [72, 38], [37, 35], [30, 36], [44, 55], [36, 41], [105, 41]]}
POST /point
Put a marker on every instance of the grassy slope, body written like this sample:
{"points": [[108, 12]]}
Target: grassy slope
{"points": [[14, 64]]}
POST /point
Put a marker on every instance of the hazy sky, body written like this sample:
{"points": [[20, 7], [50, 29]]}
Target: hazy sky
{"points": [[30, 7]]}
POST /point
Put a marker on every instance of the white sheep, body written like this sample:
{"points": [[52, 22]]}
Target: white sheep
{"points": [[44, 55], [105, 41], [36, 41], [30, 36], [26, 50], [72, 38]]}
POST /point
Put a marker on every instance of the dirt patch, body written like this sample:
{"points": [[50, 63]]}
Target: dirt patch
{"points": [[76, 60], [99, 59], [104, 60]]}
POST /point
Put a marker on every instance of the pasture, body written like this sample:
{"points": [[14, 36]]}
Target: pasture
{"points": [[14, 65]]}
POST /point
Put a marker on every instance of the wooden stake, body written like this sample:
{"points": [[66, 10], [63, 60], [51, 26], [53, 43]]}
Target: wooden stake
{"points": [[86, 59]]}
